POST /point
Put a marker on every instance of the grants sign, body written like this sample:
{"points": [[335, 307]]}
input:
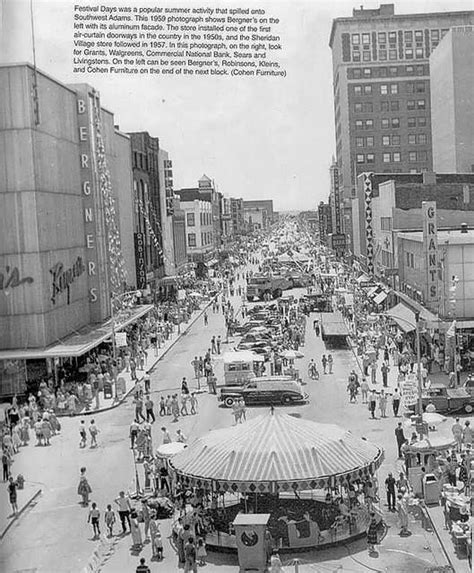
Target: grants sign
{"points": [[430, 242]]}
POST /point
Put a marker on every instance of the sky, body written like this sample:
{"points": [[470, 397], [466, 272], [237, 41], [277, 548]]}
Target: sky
{"points": [[258, 138]]}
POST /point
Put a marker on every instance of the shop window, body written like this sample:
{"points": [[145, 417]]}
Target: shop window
{"points": [[360, 158]]}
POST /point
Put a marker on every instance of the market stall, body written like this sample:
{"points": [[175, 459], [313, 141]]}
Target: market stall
{"points": [[310, 477]]}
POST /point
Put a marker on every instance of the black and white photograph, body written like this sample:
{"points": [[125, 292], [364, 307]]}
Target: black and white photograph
{"points": [[236, 286]]}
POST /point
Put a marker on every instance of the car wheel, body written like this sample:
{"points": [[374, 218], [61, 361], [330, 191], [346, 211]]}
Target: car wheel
{"points": [[286, 400], [229, 402], [468, 408]]}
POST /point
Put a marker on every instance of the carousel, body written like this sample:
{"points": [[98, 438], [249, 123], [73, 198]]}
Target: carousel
{"points": [[314, 481]]}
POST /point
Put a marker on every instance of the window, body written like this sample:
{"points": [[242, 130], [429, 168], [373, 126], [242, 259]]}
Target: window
{"points": [[385, 140], [383, 89], [422, 122], [394, 105], [419, 53], [412, 156], [357, 107], [385, 123], [421, 104], [384, 106], [410, 87], [435, 35], [382, 55], [367, 73], [358, 90], [395, 140], [357, 73], [201, 218], [369, 123], [422, 156], [394, 89], [422, 140], [412, 139], [190, 219], [366, 56], [359, 142], [385, 223], [411, 104], [368, 89], [444, 31], [392, 54], [356, 57], [408, 36], [369, 141], [358, 124], [393, 71], [368, 107], [397, 157], [383, 72], [382, 38], [366, 38], [410, 260], [420, 87], [409, 54], [360, 158], [392, 37], [370, 158], [355, 39], [411, 122], [395, 122], [419, 36], [191, 239], [410, 70], [386, 157]]}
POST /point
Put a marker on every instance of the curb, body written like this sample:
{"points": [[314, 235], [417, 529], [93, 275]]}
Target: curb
{"points": [[424, 509], [23, 508], [149, 369]]}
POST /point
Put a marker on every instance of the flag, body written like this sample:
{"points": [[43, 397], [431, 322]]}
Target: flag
{"points": [[451, 332]]}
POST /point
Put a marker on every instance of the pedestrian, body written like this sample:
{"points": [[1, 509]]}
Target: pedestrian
{"points": [[190, 562], [93, 518], [451, 467], [400, 436], [195, 365], [156, 540], [201, 552], [206, 319], [213, 345], [143, 567], [150, 414], [184, 386], [383, 404], [324, 362], [457, 434], [146, 518], [402, 515], [184, 404], [147, 381], [330, 363], [180, 437], [364, 390], [133, 433], [193, 402], [467, 434], [396, 402], [243, 415], [390, 489], [218, 344], [372, 404], [385, 370], [12, 494], [168, 403], [124, 508], [109, 518], [166, 436], [84, 489], [6, 463], [93, 431], [372, 533], [373, 372], [175, 407], [162, 406], [139, 408], [83, 434], [236, 411]]}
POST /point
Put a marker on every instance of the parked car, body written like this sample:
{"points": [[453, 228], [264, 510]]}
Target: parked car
{"points": [[448, 400], [265, 390]]}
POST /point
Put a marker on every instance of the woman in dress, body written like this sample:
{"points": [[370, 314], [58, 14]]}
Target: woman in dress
{"points": [[84, 489], [16, 438], [135, 531], [25, 431], [372, 534], [47, 432]]}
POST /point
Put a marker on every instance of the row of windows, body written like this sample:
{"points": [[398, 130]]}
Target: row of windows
{"points": [[393, 157], [392, 89], [392, 37], [390, 55], [205, 219], [368, 107], [392, 140], [206, 239], [383, 71], [390, 122]]}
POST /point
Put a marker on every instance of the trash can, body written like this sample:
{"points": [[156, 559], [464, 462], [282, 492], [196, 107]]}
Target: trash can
{"points": [[430, 489], [108, 392]]}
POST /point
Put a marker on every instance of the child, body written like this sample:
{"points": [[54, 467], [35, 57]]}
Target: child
{"points": [[93, 430], [94, 515], [201, 552], [83, 434], [110, 520]]}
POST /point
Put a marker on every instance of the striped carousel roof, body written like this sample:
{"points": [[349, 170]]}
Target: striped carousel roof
{"points": [[277, 449]]}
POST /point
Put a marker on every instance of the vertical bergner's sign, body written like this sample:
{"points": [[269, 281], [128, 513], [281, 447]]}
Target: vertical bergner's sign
{"points": [[337, 202], [430, 242], [140, 265]]}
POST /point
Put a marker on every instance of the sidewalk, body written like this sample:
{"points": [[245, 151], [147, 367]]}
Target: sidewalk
{"points": [[151, 360], [25, 497]]}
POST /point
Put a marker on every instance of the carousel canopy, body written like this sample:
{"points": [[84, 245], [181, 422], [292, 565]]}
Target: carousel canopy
{"points": [[276, 452]]}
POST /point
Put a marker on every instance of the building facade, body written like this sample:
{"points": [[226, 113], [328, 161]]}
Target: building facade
{"points": [[237, 215], [381, 85], [258, 214], [179, 236], [199, 230], [452, 102]]}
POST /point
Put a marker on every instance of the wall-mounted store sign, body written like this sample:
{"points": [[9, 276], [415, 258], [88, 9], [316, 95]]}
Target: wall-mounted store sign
{"points": [[62, 278], [140, 264], [430, 242], [10, 278]]}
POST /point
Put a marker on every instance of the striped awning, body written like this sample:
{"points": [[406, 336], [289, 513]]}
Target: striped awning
{"points": [[276, 452]]}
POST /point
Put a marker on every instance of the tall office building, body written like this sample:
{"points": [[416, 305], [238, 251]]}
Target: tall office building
{"points": [[381, 81], [452, 104]]}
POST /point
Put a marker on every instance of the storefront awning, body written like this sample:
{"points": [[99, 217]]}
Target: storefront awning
{"points": [[403, 316], [83, 341], [430, 319]]}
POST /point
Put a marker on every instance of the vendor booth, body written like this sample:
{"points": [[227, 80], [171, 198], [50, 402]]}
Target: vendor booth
{"points": [[309, 477]]}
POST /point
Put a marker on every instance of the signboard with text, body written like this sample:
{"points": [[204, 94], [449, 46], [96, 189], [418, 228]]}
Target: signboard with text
{"points": [[430, 243], [140, 266]]}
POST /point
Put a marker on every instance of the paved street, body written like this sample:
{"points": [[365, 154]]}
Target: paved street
{"points": [[68, 545]]}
